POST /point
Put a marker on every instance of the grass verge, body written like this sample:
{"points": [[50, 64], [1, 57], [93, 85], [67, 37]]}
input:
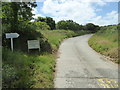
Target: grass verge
{"points": [[21, 70], [56, 36], [106, 42]]}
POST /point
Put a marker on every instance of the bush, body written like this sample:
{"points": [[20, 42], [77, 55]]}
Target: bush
{"points": [[27, 31], [69, 25], [16, 70], [106, 41], [82, 32], [41, 25], [91, 27], [27, 71]]}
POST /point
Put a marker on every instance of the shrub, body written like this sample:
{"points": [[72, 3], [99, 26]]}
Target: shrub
{"points": [[16, 70], [106, 41], [27, 71], [41, 25], [69, 25], [27, 31]]}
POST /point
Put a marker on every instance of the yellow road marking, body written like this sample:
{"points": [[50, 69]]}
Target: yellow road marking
{"points": [[102, 85], [107, 83], [101, 80], [112, 86]]}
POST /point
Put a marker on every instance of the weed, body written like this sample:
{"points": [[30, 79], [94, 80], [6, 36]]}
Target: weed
{"points": [[106, 42]]}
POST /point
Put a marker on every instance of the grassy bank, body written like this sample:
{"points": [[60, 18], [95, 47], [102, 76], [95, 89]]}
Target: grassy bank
{"points": [[106, 42], [56, 36], [23, 70]]}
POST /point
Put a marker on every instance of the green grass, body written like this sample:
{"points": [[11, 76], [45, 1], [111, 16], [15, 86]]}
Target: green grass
{"points": [[56, 36], [27, 71], [22, 70], [106, 42], [44, 72]]}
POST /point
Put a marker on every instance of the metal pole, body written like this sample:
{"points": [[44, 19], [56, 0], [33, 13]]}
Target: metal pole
{"points": [[12, 44]]}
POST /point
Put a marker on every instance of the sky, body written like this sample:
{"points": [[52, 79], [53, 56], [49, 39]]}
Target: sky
{"points": [[98, 12]]}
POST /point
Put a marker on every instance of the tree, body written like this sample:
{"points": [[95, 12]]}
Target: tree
{"points": [[61, 25], [16, 12], [91, 27], [41, 25], [48, 20], [41, 19], [68, 25], [6, 12]]}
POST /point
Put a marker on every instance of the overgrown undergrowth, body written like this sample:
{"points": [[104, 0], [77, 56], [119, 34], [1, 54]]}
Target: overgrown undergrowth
{"points": [[56, 36], [106, 42], [22, 70]]}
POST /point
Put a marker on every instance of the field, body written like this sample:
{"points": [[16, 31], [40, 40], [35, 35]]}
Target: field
{"points": [[106, 42]]}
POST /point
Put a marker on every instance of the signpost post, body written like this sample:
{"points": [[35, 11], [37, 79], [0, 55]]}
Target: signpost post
{"points": [[11, 44], [11, 36]]}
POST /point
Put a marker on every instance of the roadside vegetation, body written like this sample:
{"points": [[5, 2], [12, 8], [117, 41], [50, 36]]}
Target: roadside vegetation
{"points": [[21, 70], [106, 42], [56, 36], [34, 69]]}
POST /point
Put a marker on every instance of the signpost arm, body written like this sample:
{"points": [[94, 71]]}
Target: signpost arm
{"points": [[12, 44], [11, 36]]}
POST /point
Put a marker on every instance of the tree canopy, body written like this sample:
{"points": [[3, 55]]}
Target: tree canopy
{"points": [[48, 20], [16, 12], [91, 27], [41, 25], [68, 25]]}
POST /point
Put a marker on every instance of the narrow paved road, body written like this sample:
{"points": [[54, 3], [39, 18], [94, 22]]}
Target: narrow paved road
{"points": [[79, 66]]}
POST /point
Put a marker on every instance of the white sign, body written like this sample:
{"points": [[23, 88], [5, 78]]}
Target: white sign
{"points": [[12, 35], [33, 44]]}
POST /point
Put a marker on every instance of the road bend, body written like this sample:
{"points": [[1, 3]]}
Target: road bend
{"points": [[79, 66]]}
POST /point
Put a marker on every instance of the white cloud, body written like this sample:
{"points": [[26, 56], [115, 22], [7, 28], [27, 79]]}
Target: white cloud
{"points": [[110, 18], [78, 11], [34, 11], [81, 11], [40, 0]]}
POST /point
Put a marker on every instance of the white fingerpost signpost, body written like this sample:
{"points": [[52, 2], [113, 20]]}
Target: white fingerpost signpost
{"points": [[11, 36], [33, 44]]}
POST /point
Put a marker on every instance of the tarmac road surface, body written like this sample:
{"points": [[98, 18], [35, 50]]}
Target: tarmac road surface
{"points": [[79, 66]]}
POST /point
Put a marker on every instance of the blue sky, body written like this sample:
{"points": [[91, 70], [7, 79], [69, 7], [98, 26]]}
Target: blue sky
{"points": [[110, 6], [99, 13]]}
